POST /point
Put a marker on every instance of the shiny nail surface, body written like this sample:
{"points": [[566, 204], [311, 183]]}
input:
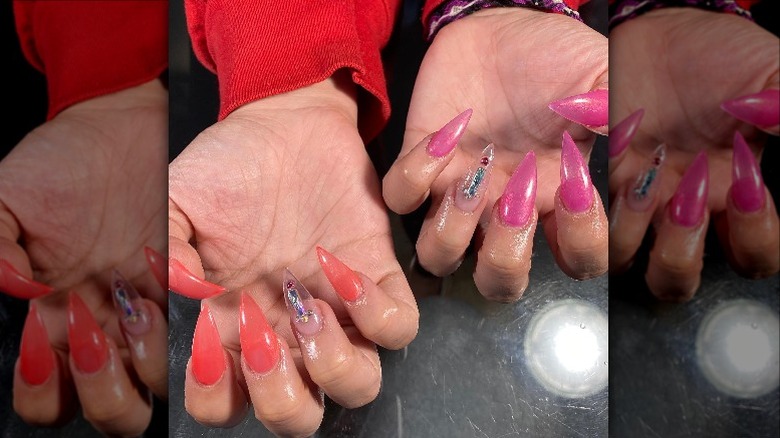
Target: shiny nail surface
{"points": [[345, 282], [620, 136], [157, 264], [516, 205], [208, 357], [17, 285], [690, 200], [642, 194], [304, 313], [747, 186], [129, 305], [183, 282], [576, 190], [36, 358], [87, 342], [760, 109], [259, 344], [589, 109], [469, 193], [445, 139]]}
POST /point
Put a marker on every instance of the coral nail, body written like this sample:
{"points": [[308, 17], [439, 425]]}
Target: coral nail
{"points": [[36, 358], [157, 264], [208, 357], [576, 190], [469, 193], [589, 109], [17, 285], [346, 283], [184, 282], [304, 313], [87, 342], [259, 344], [516, 205], [620, 136], [445, 139], [760, 109], [690, 200], [642, 194], [133, 315], [747, 187]]}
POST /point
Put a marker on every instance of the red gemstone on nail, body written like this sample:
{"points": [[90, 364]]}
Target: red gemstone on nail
{"points": [[485, 161]]}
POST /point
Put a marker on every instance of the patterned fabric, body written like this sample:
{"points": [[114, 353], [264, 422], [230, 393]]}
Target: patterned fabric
{"points": [[623, 10]]}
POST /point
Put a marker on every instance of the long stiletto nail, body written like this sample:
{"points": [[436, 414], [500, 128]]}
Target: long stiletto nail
{"points": [[747, 187], [641, 195], [157, 264], [690, 199], [87, 342], [759, 109], [516, 205], [576, 189], [186, 283], [346, 283], [208, 357], [17, 285], [589, 109], [132, 311], [36, 358], [446, 138], [259, 344], [469, 193], [620, 136], [304, 312]]}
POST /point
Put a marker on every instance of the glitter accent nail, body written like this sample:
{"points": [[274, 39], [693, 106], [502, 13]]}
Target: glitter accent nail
{"points": [[303, 311], [474, 184], [129, 305], [644, 189]]}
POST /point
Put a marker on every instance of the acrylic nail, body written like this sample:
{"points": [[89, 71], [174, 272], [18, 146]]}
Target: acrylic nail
{"points": [[690, 200], [516, 205], [304, 313], [346, 283], [157, 263], [445, 139], [589, 109], [747, 186], [208, 357], [576, 190], [469, 193], [130, 307], [17, 285], [620, 136], [259, 344], [760, 109], [640, 197], [87, 342], [183, 282], [36, 357]]}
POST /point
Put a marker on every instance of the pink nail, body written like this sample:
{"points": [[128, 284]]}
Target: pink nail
{"points": [[759, 109], [690, 199], [576, 190], [747, 187], [620, 136], [641, 196], [469, 193], [446, 138], [517, 204], [589, 109]]}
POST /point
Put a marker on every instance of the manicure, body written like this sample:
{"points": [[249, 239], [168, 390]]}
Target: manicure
{"points": [[576, 191], [620, 136], [469, 193], [747, 187], [157, 264], [186, 283], [36, 357], [760, 109], [17, 285], [87, 342], [346, 283], [259, 344], [133, 315], [589, 109], [516, 205], [304, 313], [208, 357], [690, 200], [641, 196], [445, 139]]}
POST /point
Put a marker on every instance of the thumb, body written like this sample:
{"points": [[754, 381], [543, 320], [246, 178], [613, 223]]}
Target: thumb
{"points": [[761, 109], [16, 273], [590, 109]]}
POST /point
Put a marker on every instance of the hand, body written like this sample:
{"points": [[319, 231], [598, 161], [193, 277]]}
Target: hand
{"points": [[255, 194], [82, 194]]}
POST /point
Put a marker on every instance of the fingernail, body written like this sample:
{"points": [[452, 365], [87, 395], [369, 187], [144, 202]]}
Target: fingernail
{"points": [[259, 344], [576, 190], [185, 283], [589, 109], [445, 139], [86, 340], [620, 136], [469, 194], [643, 192], [747, 187], [516, 205], [759, 109], [346, 283], [208, 357], [304, 312], [17, 285], [130, 306], [690, 199], [36, 358], [157, 264]]}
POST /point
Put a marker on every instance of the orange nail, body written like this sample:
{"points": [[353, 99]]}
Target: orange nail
{"points": [[346, 283]]}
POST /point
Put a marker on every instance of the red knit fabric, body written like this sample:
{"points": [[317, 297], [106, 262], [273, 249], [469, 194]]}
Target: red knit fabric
{"points": [[87, 48], [431, 5]]}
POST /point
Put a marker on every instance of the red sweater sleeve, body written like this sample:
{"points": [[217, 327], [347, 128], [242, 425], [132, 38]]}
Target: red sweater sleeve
{"points": [[258, 50], [88, 48], [431, 5]]}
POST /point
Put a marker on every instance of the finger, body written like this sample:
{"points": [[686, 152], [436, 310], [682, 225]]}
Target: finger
{"points": [[212, 394], [385, 313], [282, 401], [761, 110], [590, 109], [347, 370], [16, 274], [620, 137], [504, 259], [674, 268], [409, 180], [445, 237], [109, 400]]}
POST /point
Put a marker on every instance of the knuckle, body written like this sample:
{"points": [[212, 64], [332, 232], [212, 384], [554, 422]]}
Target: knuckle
{"points": [[279, 414], [335, 374]]}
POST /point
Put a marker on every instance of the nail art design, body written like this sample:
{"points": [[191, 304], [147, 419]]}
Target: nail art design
{"points": [[259, 344], [474, 185], [589, 109], [344, 281], [516, 205], [184, 282], [747, 187], [17, 285], [644, 189], [36, 358], [303, 310], [445, 139], [620, 136], [128, 302], [760, 109], [86, 340], [690, 200], [208, 357], [576, 190]]}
